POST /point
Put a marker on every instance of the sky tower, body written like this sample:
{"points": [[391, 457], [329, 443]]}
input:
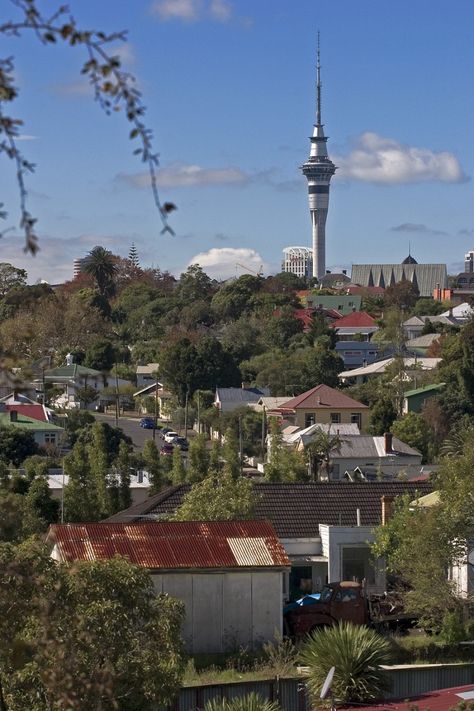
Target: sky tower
{"points": [[318, 170]]}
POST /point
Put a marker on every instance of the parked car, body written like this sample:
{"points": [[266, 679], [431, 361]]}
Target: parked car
{"points": [[165, 430], [171, 436], [182, 443], [148, 423], [167, 449]]}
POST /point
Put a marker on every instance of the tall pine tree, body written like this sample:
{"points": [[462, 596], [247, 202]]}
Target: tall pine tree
{"points": [[81, 498]]}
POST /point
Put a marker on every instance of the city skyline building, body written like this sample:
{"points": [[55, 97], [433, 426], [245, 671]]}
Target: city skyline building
{"points": [[318, 171], [469, 262], [299, 261]]}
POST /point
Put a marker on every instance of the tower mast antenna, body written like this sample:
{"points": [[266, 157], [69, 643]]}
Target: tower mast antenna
{"points": [[318, 86]]}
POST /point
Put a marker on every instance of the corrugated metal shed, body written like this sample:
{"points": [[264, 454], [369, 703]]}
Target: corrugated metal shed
{"points": [[170, 545]]}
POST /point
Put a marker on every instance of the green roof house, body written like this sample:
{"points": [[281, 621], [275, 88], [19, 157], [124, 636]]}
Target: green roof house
{"points": [[45, 433], [413, 400], [74, 378]]}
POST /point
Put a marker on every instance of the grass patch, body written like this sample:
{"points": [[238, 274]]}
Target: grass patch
{"points": [[430, 649], [273, 659]]}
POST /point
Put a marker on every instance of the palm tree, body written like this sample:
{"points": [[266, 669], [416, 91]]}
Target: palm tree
{"points": [[357, 653], [318, 452], [101, 266]]}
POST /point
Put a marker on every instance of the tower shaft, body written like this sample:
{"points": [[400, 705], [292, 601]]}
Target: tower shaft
{"points": [[318, 170]]}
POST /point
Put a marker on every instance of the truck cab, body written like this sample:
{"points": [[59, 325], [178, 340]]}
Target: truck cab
{"points": [[339, 602]]}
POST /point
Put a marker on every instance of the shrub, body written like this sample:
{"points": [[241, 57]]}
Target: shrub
{"points": [[356, 652], [250, 702], [452, 628]]}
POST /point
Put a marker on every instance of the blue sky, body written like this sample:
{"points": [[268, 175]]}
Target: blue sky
{"points": [[230, 92]]}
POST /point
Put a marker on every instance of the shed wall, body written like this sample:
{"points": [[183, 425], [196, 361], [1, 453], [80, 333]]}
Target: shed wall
{"points": [[225, 609]]}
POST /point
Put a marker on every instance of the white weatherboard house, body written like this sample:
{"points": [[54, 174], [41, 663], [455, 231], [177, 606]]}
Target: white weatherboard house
{"points": [[229, 574]]}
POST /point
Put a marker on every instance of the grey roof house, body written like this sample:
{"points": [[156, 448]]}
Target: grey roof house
{"points": [[228, 399]]}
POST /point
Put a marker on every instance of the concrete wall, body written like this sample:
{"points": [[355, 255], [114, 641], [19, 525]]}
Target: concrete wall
{"points": [[226, 609], [335, 538]]}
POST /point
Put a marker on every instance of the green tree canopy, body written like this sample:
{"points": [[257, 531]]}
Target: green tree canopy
{"points": [[16, 445], [67, 641], [218, 498]]}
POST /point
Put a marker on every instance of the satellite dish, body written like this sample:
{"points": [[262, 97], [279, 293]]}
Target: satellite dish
{"points": [[326, 688], [470, 557]]}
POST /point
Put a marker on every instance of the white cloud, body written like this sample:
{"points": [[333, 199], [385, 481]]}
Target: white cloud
{"points": [[25, 137], [125, 52], [220, 10], [74, 88], [179, 175], [196, 10], [221, 263], [382, 160], [186, 10]]}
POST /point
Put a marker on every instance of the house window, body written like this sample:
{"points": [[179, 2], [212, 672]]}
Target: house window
{"points": [[50, 437], [309, 419], [356, 419], [335, 418], [301, 581], [357, 564]]}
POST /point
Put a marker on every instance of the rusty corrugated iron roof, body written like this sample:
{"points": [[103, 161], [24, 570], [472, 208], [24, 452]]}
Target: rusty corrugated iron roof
{"points": [[172, 545]]}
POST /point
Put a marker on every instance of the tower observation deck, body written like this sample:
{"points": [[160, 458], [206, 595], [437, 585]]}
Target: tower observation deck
{"points": [[318, 170]]}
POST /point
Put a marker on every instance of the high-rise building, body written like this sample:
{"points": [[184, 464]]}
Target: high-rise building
{"points": [[78, 266], [318, 170], [469, 261], [298, 260]]}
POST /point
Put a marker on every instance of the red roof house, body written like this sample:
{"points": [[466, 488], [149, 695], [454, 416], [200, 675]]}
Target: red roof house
{"points": [[35, 411], [326, 405], [357, 319]]}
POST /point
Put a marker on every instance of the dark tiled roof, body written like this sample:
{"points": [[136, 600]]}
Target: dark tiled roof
{"points": [[295, 510], [243, 395]]}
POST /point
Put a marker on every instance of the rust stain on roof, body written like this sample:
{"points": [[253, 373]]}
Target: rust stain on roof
{"points": [[172, 545]]}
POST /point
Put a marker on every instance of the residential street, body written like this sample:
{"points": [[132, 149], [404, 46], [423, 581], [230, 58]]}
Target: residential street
{"points": [[131, 427]]}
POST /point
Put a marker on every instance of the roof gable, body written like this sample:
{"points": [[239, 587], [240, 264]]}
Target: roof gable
{"points": [[357, 318], [322, 396]]}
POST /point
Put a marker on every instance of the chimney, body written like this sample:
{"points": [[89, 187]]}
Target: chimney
{"points": [[388, 439], [358, 516], [387, 508], [245, 385], [13, 416], [344, 271], [328, 271], [69, 359]]}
